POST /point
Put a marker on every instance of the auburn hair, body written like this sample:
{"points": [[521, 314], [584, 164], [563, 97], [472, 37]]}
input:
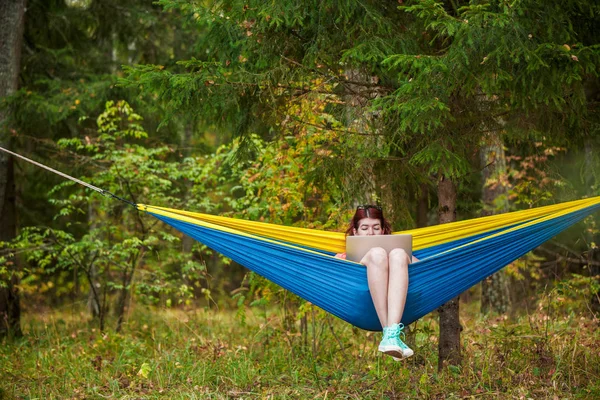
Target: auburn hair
{"points": [[368, 211]]}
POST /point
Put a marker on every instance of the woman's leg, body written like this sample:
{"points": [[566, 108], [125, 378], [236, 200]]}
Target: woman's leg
{"points": [[388, 284], [376, 261], [397, 286]]}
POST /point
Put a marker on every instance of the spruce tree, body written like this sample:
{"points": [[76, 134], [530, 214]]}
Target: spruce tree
{"points": [[65, 56], [441, 73]]}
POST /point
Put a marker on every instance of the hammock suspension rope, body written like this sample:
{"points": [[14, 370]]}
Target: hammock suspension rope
{"points": [[79, 181], [453, 256]]}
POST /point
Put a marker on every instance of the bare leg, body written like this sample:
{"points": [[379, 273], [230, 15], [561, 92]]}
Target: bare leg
{"points": [[388, 284], [397, 286], [376, 261]]}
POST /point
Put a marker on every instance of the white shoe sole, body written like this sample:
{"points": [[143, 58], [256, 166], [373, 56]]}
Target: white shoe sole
{"points": [[393, 351], [396, 352], [407, 353]]}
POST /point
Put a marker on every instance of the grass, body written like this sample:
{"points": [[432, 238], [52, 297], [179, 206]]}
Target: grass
{"points": [[204, 354]]}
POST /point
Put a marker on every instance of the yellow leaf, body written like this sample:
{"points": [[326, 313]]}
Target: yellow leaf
{"points": [[144, 370]]}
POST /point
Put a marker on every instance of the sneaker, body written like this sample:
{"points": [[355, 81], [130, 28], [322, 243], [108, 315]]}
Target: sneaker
{"points": [[392, 345]]}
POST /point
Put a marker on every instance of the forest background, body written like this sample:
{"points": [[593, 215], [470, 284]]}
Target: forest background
{"points": [[291, 113]]}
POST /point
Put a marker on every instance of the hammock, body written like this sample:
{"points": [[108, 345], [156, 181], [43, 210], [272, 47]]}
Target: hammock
{"points": [[453, 257]]}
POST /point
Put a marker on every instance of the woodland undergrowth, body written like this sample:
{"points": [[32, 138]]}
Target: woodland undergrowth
{"points": [[211, 354]]}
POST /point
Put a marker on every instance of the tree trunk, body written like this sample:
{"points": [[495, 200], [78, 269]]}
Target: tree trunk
{"points": [[125, 292], [12, 13], [449, 342], [186, 144], [494, 290], [10, 308], [357, 117], [591, 181], [123, 295], [93, 302], [121, 303], [593, 254], [423, 206]]}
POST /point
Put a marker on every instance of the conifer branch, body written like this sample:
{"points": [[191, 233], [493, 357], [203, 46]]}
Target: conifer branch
{"points": [[339, 78]]}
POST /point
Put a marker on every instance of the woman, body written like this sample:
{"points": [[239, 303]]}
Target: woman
{"points": [[387, 276]]}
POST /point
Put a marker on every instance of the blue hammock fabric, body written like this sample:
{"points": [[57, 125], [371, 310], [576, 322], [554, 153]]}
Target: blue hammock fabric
{"points": [[340, 287]]}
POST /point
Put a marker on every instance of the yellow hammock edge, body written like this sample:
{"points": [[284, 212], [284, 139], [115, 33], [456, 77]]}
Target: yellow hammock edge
{"points": [[422, 237]]}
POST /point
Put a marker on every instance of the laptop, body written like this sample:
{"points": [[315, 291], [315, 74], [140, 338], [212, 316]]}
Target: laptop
{"points": [[358, 246]]}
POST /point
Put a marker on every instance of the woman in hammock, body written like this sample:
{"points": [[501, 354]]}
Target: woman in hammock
{"points": [[387, 274]]}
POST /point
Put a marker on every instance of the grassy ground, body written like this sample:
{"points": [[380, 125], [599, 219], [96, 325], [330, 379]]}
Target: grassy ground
{"points": [[207, 354]]}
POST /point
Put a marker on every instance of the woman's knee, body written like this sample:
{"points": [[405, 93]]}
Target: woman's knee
{"points": [[377, 256], [399, 256]]}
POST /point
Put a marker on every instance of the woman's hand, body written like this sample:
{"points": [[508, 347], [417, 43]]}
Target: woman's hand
{"points": [[341, 255]]}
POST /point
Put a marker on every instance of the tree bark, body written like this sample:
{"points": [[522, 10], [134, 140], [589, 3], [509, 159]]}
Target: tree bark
{"points": [[423, 206], [122, 301], [357, 117], [593, 253], [93, 302], [591, 181], [10, 308], [12, 13], [449, 341], [186, 142], [494, 290]]}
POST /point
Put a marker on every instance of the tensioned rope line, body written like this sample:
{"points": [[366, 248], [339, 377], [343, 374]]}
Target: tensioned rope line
{"points": [[453, 257], [87, 185]]}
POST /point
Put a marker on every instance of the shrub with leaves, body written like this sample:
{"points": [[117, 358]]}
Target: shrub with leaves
{"points": [[115, 248]]}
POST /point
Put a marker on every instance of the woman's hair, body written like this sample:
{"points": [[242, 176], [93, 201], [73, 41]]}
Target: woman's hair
{"points": [[368, 211]]}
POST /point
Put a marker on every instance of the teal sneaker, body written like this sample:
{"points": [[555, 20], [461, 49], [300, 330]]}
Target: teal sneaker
{"points": [[392, 345]]}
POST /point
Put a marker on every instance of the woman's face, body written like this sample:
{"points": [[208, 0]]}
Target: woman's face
{"points": [[368, 227]]}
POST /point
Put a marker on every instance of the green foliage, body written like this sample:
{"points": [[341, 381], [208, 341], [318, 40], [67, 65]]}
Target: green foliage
{"points": [[110, 243], [281, 112], [283, 183], [531, 182], [436, 156], [207, 354], [428, 77], [70, 62]]}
